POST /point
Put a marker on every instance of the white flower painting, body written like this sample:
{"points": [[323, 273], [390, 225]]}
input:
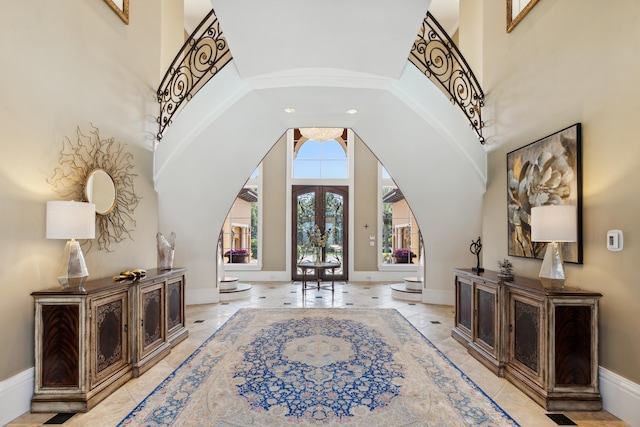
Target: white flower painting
{"points": [[545, 172]]}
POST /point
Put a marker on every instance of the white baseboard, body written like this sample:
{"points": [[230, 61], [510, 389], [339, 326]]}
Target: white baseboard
{"points": [[248, 276], [201, 296], [620, 396], [391, 276], [438, 296], [15, 396]]}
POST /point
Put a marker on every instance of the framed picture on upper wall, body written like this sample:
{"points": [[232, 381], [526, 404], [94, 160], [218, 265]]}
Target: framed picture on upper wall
{"points": [[121, 8], [545, 172], [517, 10]]}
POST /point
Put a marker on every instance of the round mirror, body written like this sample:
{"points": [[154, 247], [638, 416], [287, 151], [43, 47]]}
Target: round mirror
{"points": [[101, 191]]}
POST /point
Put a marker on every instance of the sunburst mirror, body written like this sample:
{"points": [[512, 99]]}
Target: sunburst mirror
{"points": [[99, 171]]}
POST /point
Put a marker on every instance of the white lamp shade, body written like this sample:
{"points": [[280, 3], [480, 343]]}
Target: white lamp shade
{"points": [[554, 223], [71, 220]]}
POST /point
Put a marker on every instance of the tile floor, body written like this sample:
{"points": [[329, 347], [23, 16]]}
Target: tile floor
{"points": [[434, 321]]}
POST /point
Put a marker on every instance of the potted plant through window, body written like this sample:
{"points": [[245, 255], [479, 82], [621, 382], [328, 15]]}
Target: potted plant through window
{"points": [[237, 256], [403, 256]]}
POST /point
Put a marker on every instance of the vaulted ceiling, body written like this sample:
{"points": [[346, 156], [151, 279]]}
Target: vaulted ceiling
{"points": [[321, 58]]}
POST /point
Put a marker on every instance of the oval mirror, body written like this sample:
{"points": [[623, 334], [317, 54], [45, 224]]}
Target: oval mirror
{"points": [[101, 191]]}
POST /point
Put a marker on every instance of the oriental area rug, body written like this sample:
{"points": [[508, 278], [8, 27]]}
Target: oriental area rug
{"points": [[303, 367]]}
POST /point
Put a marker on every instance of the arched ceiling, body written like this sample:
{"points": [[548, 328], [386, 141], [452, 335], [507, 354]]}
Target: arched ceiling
{"points": [[446, 11], [321, 59], [270, 37]]}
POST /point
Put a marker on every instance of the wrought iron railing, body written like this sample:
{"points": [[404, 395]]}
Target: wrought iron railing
{"points": [[202, 56], [436, 55], [206, 52]]}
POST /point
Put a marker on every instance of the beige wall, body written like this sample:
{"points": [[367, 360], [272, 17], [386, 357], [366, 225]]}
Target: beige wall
{"points": [[572, 61], [68, 64], [274, 200], [365, 209]]}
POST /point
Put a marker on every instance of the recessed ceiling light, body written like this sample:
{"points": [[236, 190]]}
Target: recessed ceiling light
{"points": [[352, 111], [289, 110]]}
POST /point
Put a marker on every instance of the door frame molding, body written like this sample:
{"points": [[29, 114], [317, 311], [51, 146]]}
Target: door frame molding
{"points": [[343, 190]]}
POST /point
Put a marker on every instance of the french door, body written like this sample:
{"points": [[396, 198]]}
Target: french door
{"points": [[326, 207]]}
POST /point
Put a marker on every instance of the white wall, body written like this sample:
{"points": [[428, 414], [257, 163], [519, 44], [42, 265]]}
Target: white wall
{"points": [[223, 133]]}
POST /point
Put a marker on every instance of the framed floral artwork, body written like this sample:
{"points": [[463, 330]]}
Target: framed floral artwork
{"points": [[545, 172]]}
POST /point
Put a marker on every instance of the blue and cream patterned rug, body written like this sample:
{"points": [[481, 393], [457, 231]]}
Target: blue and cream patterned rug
{"points": [[274, 367]]}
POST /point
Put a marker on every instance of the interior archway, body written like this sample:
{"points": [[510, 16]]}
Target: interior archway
{"points": [[417, 134]]}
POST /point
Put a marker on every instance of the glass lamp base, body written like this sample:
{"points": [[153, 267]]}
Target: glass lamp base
{"points": [[73, 271], [552, 271]]}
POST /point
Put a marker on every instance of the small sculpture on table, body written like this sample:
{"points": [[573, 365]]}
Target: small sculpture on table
{"points": [[166, 249], [476, 248]]}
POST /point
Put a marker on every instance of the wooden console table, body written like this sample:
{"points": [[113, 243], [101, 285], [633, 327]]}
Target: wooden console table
{"points": [[544, 341], [306, 266], [91, 340]]}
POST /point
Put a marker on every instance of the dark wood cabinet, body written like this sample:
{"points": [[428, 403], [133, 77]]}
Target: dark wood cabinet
{"points": [[91, 340], [477, 320], [544, 341]]}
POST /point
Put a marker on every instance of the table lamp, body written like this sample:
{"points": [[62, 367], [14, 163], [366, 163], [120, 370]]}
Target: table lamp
{"points": [[71, 220], [553, 224]]}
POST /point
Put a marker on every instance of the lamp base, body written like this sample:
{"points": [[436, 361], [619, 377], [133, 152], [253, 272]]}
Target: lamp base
{"points": [[552, 283], [73, 270], [552, 271]]}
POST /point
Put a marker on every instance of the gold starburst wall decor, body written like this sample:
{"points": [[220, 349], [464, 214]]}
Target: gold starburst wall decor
{"points": [[99, 171]]}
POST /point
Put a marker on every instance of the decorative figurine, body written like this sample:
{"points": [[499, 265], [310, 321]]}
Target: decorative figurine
{"points": [[166, 248], [506, 269], [476, 248]]}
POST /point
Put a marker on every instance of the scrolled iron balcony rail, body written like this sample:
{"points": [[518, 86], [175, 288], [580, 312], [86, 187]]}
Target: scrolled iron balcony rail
{"points": [[436, 55], [202, 56], [206, 52]]}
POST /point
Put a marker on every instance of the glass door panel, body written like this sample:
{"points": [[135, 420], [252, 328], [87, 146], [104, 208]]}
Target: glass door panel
{"points": [[305, 223], [325, 207]]}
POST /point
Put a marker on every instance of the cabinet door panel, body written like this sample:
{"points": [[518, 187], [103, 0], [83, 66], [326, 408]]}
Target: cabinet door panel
{"points": [[573, 345], [464, 304], [152, 314], [526, 330], [486, 316], [60, 345], [109, 335], [175, 314]]}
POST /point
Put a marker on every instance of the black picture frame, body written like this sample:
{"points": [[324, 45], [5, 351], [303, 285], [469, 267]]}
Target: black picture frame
{"points": [[545, 172]]}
